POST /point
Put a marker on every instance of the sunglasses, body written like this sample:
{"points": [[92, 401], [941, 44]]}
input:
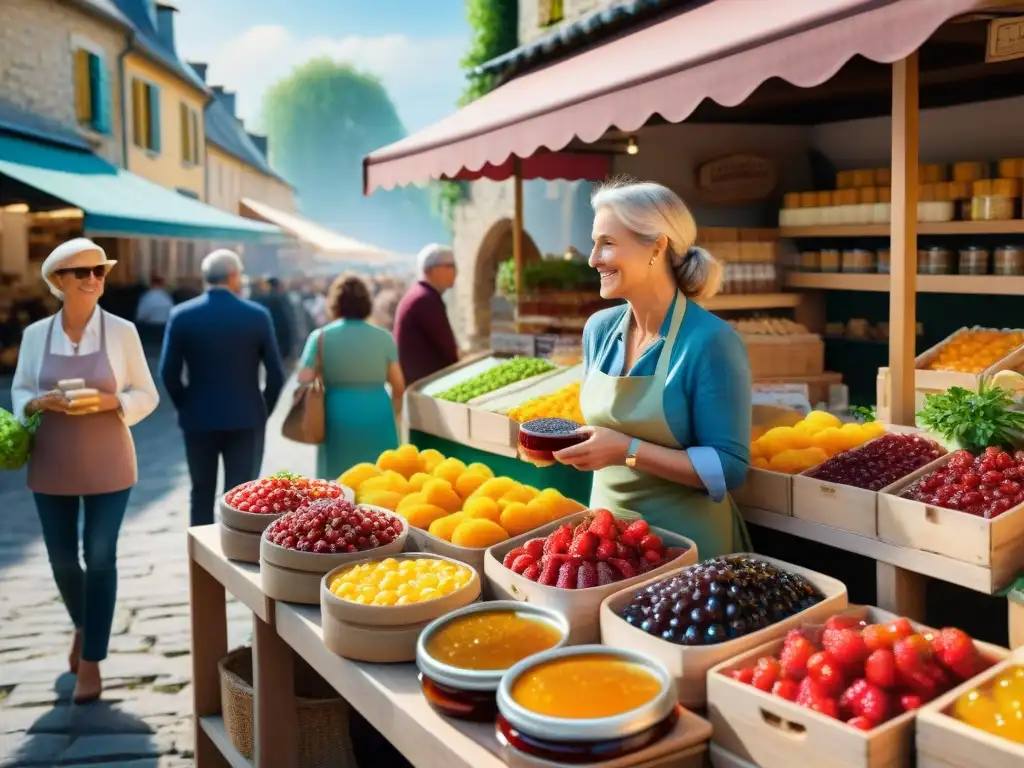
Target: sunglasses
{"points": [[82, 273]]}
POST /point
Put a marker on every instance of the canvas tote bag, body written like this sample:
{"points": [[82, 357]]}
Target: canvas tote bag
{"points": [[305, 422]]}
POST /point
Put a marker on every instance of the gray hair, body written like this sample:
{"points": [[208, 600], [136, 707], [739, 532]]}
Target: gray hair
{"points": [[649, 210], [434, 255], [220, 265]]}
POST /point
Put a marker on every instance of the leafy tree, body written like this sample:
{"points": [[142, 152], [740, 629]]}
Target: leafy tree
{"points": [[321, 121]]}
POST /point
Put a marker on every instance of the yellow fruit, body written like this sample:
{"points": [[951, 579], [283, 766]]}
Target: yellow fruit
{"points": [[496, 487], [405, 465], [759, 463], [388, 481], [518, 518], [430, 459], [417, 481], [449, 470], [443, 527], [422, 515], [478, 533], [386, 499], [480, 469], [357, 475], [440, 494], [822, 418], [482, 507], [873, 429], [521, 494], [411, 501], [387, 583], [408, 451], [795, 461], [468, 482]]}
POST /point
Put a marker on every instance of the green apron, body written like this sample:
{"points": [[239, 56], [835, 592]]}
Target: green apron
{"points": [[633, 405]]}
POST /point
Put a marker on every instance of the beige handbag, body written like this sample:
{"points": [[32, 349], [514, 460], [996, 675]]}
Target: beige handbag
{"points": [[305, 422]]}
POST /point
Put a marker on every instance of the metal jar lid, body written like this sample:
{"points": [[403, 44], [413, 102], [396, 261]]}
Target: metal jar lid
{"points": [[480, 679], [563, 729]]}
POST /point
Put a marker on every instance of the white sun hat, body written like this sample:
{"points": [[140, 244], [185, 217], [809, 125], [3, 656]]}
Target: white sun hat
{"points": [[60, 255]]}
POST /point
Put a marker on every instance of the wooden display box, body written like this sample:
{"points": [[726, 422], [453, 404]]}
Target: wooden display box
{"points": [[772, 732], [689, 665], [783, 356], [426, 413], [767, 490], [996, 544], [945, 742], [939, 381]]}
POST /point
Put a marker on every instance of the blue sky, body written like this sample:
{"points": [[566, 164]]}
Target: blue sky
{"points": [[413, 45]]}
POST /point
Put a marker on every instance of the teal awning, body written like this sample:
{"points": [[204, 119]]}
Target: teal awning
{"points": [[117, 203]]}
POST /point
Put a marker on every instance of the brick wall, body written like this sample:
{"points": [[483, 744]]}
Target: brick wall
{"points": [[572, 10], [37, 43]]}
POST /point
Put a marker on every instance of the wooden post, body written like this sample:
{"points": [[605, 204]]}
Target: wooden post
{"points": [[903, 247], [209, 625], [517, 227]]}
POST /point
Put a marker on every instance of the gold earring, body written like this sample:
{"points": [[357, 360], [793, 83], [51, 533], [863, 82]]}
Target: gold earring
{"points": [[654, 258]]}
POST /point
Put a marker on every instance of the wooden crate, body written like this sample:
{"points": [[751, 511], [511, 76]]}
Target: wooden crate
{"points": [[817, 385], [997, 544], [767, 490], [772, 732], [426, 413], [783, 356], [945, 742], [939, 381]]}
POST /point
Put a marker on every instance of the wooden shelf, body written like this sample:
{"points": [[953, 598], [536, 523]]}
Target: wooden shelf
{"points": [[1011, 227], [990, 285], [240, 579], [213, 726], [752, 301]]}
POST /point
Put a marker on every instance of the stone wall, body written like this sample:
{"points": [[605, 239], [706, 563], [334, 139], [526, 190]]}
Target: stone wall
{"points": [[572, 10], [38, 39]]}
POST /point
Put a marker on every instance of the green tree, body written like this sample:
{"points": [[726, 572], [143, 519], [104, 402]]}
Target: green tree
{"points": [[321, 121]]}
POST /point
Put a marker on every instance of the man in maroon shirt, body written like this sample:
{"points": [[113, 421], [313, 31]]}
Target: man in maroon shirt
{"points": [[423, 334]]}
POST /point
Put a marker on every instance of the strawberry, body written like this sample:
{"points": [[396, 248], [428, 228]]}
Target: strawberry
{"points": [[635, 533], [605, 549], [900, 628], [766, 672], [584, 545], [955, 650], [910, 701], [521, 563], [652, 556], [535, 547], [744, 675], [786, 689], [826, 673], [512, 555], [842, 621], [880, 668], [671, 553], [623, 551], [532, 572], [559, 541], [621, 525], [795, 653], [915, 665], [567, 575], [846, 646], [873, 703], [827, 706], [860, 722], [549, 573], [603, 525], [851, 695], [808, 691], [624, 567], [606, 574], [651, 541], [877, 636], [586, 576]]}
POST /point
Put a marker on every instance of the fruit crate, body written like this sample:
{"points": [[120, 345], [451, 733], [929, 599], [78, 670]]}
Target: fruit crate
{"points": [[426, 413], [945, 742], [772, 732], [580, 606], [845, 507], [940, 381], [996, 544], [792, 355], [690, 665], [763, 488]]}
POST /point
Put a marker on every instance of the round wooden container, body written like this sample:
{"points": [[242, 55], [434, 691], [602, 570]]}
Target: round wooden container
{"points": [[256, 522], [385, 634], [239, 545]]}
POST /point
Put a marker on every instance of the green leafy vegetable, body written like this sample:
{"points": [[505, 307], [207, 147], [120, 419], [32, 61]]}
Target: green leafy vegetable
{"points": [[864, 414], [501, 375], [973, 420], [551, 274], [16, 440]]}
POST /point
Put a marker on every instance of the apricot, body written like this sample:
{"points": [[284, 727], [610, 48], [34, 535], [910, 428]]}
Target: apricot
{"points": [[478, 533], [355, 476], [444, 527], [482, 507], [431, 459], [449, 470], [386, 499], [422, 515]]}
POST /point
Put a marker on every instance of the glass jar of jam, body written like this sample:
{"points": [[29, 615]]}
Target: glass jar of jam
{"points": [[463, 655], [585, 704], [539, 439]]}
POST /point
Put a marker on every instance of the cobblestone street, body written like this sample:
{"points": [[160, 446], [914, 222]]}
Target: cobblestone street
{"points": [[144, 719]]}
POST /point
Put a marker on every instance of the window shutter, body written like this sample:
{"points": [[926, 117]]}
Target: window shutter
{"points": [[102, 97], [196, 143], [83, 99], [139, 113], [154, 117], [186, 138]]}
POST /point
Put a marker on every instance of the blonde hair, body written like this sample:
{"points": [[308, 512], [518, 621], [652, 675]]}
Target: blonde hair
{"points": [[649, 210]]}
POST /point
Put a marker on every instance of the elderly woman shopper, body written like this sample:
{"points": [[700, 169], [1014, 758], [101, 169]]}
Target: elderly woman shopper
{"points": [[84, 456]]}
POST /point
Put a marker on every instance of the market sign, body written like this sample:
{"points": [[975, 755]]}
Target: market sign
{"points": [[1005, 39], [735, 179]]}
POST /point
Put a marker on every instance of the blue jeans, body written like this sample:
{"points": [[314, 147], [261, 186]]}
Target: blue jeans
{"points": [[89, 594]]}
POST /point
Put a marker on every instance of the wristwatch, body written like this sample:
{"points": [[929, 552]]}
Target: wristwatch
{"points": [[634, 446]]}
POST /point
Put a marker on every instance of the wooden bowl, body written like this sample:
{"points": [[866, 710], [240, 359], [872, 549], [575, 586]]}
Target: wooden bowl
{"points": [[254, 521], [239, 545], [690, 665], [396, 615], [580, 606], [381, 645]]}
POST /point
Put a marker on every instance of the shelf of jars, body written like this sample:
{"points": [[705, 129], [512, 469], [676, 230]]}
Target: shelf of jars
{"points": [[991, 285]]}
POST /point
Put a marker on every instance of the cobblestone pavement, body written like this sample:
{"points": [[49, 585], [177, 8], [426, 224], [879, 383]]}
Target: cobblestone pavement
{"points": [[144, 719]]}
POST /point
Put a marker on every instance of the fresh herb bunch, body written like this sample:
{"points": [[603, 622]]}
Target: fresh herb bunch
{"points": [[16, 439], [973, 420], [864, 414], [550, 274]]}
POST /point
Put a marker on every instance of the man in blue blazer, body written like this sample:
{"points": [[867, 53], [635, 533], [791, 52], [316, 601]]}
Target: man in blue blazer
{"points": [[218, 341]]}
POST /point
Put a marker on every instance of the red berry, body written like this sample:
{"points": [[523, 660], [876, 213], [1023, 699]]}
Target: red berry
{"points": [[955, 650], [766, 672], [744, 675], [521, 563], [603, 524], [880, 668], [532, 572], [567, 575], [584, 545], [786, 689], [559, 541], [652, 556], [826, 673], [872, 704], [796, 652], [606, 574], [607, 548], [861, 723], [651, 541], [842, 621], [549, 573], [846, 646], [586, 577], [510, 558], [623, 566], [535, 548], [635, 533], [909, 702]]}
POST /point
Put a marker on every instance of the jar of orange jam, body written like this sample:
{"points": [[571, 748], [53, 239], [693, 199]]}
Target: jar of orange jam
{"points": [[463, 655], [585, 704]]}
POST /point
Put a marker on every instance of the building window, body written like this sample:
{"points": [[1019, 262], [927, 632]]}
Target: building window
{"points": [[189, 119], [550, 12], [146, 115], [92, 91]]}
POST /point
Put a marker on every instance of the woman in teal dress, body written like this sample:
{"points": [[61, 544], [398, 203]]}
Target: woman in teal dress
{"points": [[667, 388], [358, 359]]}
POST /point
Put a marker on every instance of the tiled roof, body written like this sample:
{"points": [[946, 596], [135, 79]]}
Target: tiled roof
{"points": [[149, 42], [567, 38], [226, 132], [14, 119]]}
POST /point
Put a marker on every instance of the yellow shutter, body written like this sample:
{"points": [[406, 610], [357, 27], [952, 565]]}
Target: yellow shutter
{"points": [[140, 115], [83, 90], [195, 137], [185, 127]]}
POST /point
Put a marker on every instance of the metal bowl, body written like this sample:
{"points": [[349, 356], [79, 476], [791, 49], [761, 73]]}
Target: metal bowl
{"points": [[481, 679], [560, 729]]}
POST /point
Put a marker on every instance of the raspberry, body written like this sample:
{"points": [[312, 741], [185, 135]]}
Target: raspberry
{"points": [[606, 574], [880, 668], [567, 575], [766, 672], [795, 653], [584, 545], [512, 555], [521, 563], [603, 525], [535, 548], [586, 576]]}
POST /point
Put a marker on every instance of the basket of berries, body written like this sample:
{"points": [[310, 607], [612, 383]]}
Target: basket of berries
{"points": [[246, 511], [573, 564], [299, 548]]}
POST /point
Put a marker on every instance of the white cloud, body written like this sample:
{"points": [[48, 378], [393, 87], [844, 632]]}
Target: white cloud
{"points": [[422, 75]]}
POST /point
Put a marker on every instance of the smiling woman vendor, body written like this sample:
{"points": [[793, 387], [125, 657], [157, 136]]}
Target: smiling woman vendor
{"points": [[667, 386]]}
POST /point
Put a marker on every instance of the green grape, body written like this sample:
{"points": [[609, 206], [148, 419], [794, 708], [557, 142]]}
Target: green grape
{"points": [[509, 372]]}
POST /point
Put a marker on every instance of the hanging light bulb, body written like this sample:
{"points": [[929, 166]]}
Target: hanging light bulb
{"points": [[631, 146]]}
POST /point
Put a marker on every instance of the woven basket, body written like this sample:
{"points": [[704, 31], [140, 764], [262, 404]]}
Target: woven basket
{"points": [[323, 716]]}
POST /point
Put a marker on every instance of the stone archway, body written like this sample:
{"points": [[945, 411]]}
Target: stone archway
{"points": [[495, 247]]}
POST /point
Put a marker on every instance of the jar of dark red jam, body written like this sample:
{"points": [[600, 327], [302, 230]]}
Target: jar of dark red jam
{"points": [[540, 439], [463, 655]]}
